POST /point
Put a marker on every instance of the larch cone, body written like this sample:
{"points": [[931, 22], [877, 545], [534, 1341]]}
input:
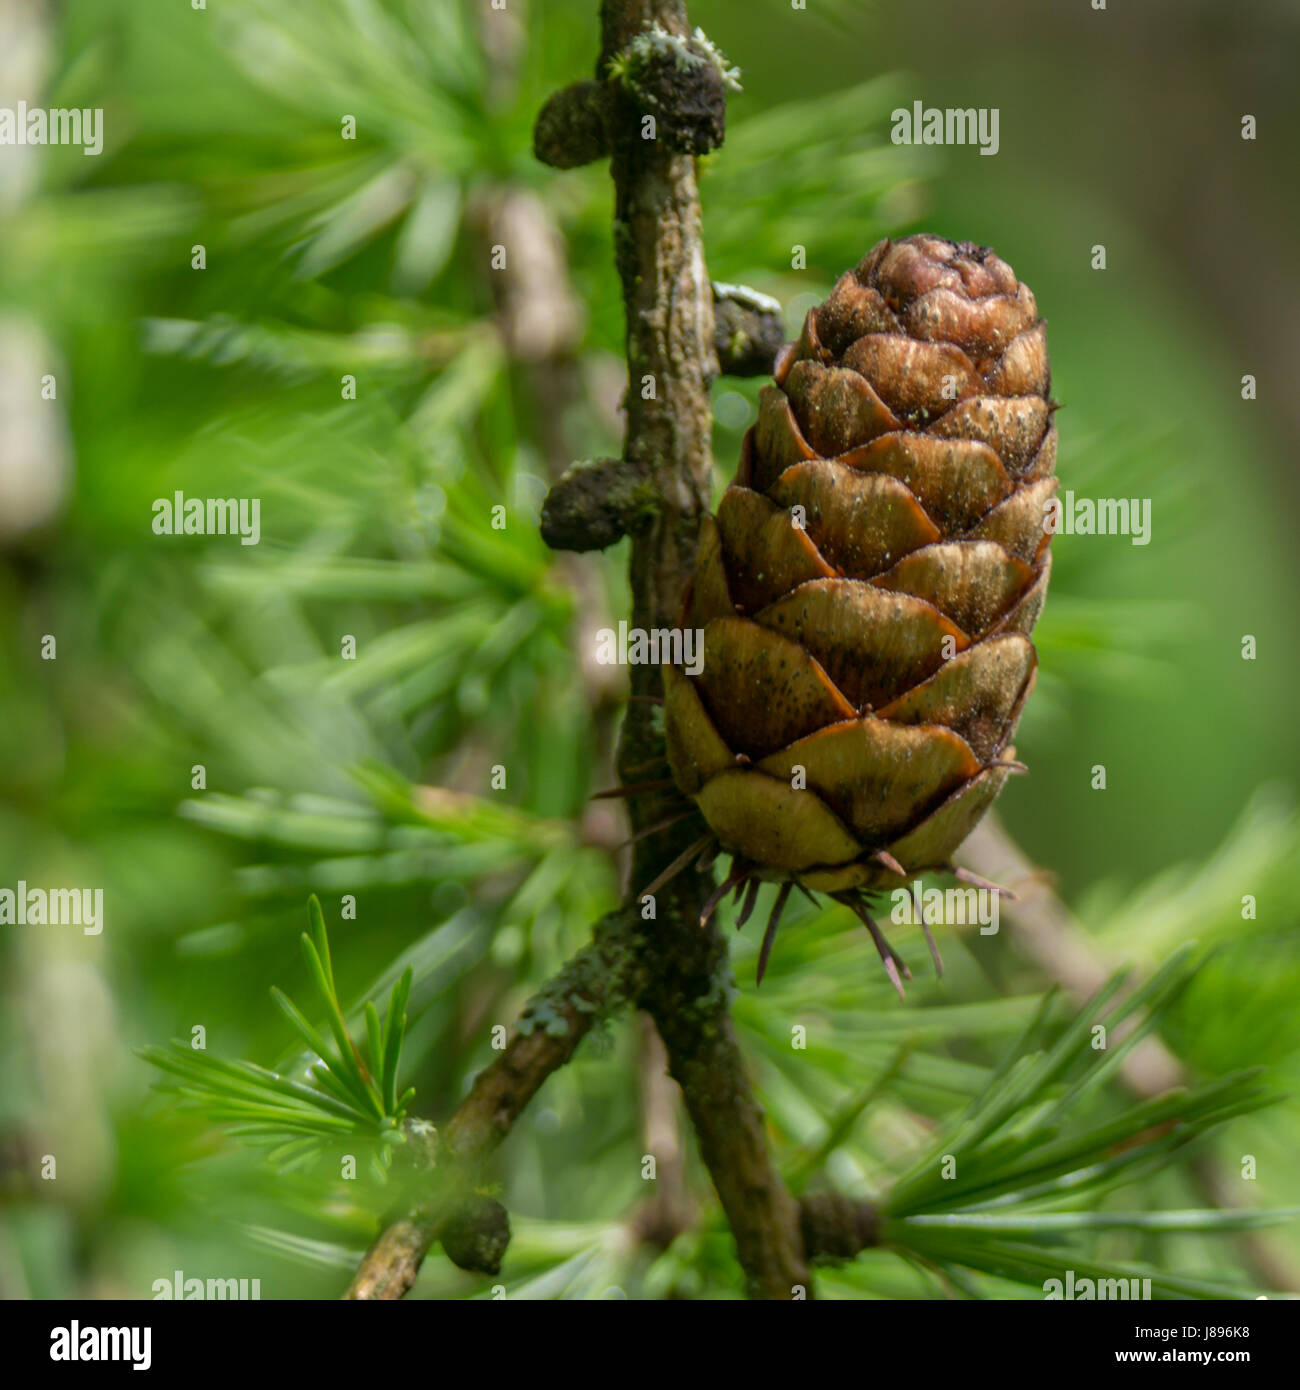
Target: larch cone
{"points": [[869, 584]]}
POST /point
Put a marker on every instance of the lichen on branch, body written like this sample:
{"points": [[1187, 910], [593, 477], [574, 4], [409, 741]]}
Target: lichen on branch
{"points": [[678, 81]]}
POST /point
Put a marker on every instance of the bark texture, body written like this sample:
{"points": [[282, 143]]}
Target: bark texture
{"points": [[671, 362]]}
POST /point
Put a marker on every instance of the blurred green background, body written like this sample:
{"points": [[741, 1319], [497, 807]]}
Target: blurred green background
{"points": [[327, 257]]}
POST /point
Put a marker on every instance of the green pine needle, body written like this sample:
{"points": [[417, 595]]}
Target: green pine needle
{"points": [[1019, 1167], [338, 1099]]}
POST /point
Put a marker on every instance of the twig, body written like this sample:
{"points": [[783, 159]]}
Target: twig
{"points": [[598, 980], [681, 969], [837, 1228], [669, 1210], [670, 348]]}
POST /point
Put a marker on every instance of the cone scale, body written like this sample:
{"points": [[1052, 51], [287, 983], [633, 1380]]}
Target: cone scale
{"points": [[868, 586]]}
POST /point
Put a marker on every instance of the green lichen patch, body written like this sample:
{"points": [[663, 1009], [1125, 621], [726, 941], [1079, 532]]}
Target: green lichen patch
{"points": [[657, 44]]}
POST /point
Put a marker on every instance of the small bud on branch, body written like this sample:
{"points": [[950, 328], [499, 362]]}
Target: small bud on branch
{"points": [[572, 129], [596, 503], [748, 330]]}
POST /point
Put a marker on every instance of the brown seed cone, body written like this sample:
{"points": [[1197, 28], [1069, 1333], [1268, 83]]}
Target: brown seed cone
{"points": [[868, 586]]}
